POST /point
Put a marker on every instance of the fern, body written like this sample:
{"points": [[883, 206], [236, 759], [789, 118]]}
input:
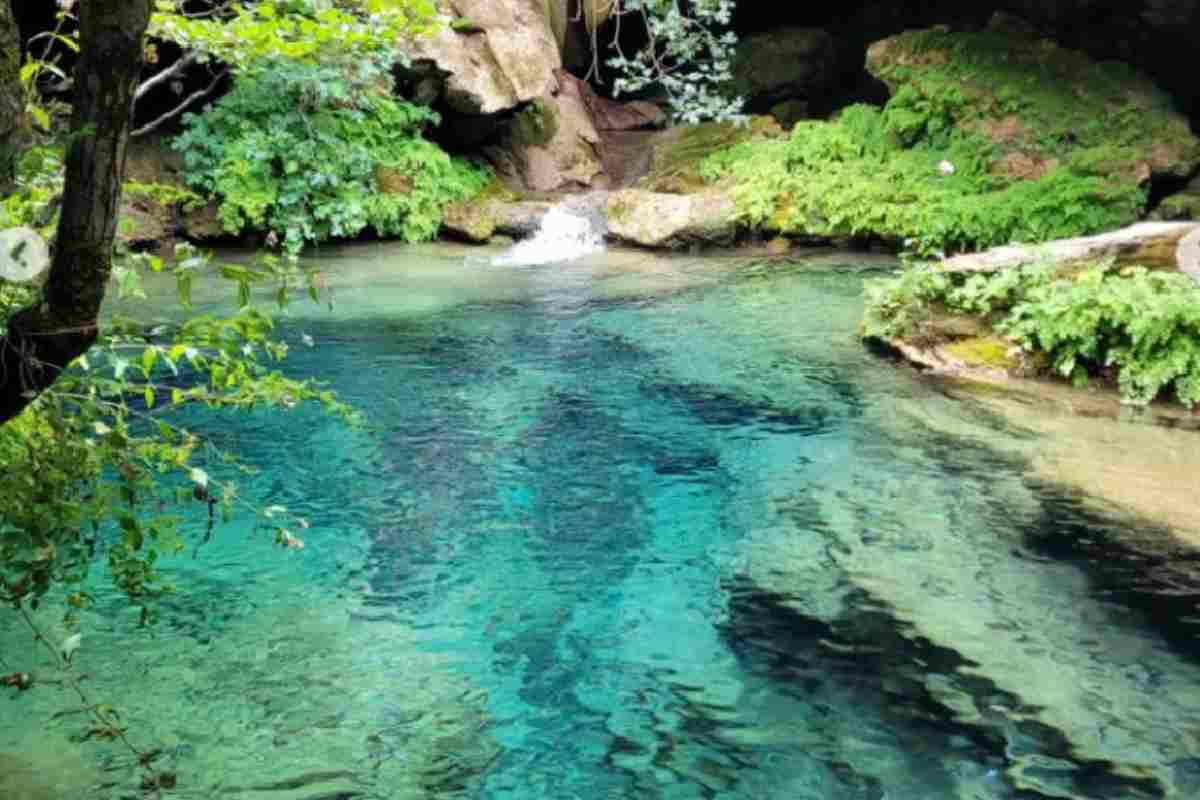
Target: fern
{"points": [[296, 149], [1144, 326]]}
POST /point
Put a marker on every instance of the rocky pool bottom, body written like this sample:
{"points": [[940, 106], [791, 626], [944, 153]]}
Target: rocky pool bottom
{"points": [[638, 527]]}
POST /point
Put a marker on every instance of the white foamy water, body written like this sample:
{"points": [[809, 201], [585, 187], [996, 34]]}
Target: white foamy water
{"points": [[565, 235]]}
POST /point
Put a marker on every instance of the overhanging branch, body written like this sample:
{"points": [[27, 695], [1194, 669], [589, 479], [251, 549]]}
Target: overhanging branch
{"points": [[154, 125]]}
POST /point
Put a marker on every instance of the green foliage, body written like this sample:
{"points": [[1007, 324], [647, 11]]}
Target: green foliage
{"points": [[535, 125], [39, 181], [297, 30], [96, 467], [1061, 98], [913, 116], [1143, 326], [888, 174], [297, 149], [163, 194], [688, 54], [989, 137]]}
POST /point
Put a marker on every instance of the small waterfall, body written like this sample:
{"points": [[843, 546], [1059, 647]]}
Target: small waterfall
{"points": [[571, 230]]}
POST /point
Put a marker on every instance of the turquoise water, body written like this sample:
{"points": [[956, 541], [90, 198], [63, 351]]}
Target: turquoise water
{"points": [[642, 529]]}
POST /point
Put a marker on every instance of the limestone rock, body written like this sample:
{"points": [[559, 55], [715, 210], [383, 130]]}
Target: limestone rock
{"points": [[470, 220], [552, 145], [519, 219], [652, 219], [480, 220], [784, 65], [145, 225], [1043, 105], [202, 223], [609, 115], [504, 57]]}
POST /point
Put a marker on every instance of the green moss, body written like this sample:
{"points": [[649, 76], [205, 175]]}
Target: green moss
{"points": [[983, 351], [1062, 99], [988, 138], [679, 153], [1180, 207], [534, 126], [1134, 324]]}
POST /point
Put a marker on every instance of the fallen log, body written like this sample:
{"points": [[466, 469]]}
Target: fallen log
{"points": [[1158, 245]]}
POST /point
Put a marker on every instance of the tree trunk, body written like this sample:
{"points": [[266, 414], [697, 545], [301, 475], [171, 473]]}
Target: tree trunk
{"points": [[43, 339], [11, 105]]}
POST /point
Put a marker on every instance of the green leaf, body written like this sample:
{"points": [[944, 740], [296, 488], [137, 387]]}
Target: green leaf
{"points": [[149, 358]]}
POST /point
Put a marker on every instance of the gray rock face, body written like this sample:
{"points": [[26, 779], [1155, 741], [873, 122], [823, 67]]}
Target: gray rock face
{"points": [[505, 55], [652, 219], [798, 65]]}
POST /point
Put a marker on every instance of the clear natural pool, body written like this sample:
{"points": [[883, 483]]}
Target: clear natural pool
{"points": [[642, 528]]}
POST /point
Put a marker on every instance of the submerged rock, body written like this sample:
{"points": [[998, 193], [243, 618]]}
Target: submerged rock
{"points": [[45, 776]]}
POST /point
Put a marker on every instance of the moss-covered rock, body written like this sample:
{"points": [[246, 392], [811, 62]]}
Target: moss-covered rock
{"points": [[470, 220], [989, 137], [157, 208], [535, 125], [984, 352], [677, 154], [1035, 102]]}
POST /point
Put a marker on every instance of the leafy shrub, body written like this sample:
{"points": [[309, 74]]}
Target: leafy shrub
{"points": [[881, 173], [989, 136], [1140, 324], [297, 149]]}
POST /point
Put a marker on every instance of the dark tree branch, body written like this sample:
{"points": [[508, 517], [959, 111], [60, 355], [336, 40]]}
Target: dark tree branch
{"points": [[150, 127], [44, 338], [154, 81]]}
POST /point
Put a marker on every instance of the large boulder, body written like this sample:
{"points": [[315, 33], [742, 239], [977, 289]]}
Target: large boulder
{"points": [[480, 219], [551, 145], [501, 55], [792, 69], [654, 219], [990, 136], [1042, 105]]}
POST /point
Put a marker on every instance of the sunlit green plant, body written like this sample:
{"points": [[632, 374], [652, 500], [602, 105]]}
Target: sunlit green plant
{"points": [[1141, 326], [903, 175], [299, 149]]}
